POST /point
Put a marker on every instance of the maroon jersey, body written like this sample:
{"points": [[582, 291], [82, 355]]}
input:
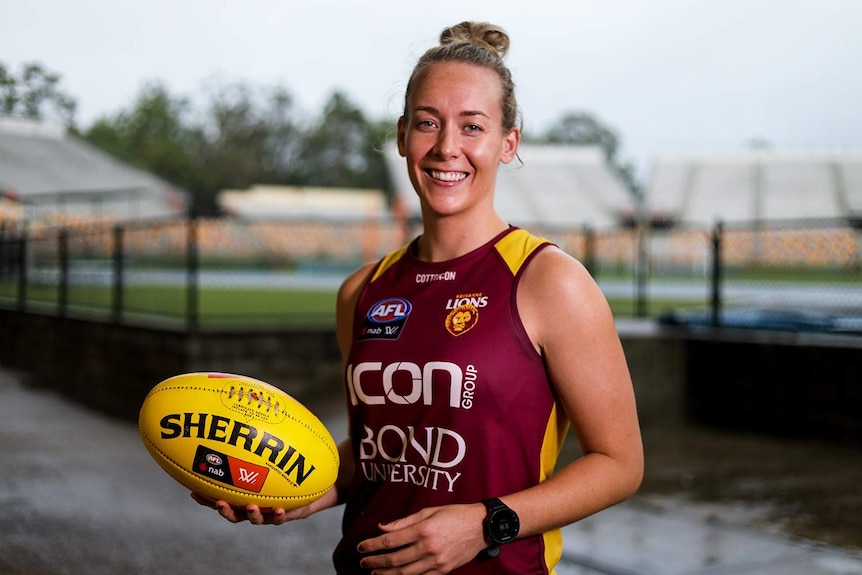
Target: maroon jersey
{"points": [[449, 402]]}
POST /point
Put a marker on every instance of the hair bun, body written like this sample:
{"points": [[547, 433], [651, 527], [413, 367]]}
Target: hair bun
{"points": [[484, 34]]}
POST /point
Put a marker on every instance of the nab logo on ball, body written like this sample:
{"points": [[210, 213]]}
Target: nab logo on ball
{"points": [[385, 319], [229, 470]]}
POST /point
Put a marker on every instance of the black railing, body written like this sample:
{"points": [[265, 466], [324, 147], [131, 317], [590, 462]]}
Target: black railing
{"points": [[209, 273]]}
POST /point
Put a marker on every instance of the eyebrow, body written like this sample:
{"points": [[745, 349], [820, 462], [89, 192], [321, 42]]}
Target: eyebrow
{"points": [[464, 114]]}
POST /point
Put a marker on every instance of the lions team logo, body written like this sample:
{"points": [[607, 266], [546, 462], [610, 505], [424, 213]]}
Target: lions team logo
{"points": [[385, 319], [462, 319], [464, 312]]}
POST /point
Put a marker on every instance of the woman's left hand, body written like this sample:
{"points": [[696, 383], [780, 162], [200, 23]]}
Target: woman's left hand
{"points": [[435, 540]]}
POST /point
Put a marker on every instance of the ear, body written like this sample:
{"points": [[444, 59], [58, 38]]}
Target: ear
{"points": [[510, 145], [401, 137]]}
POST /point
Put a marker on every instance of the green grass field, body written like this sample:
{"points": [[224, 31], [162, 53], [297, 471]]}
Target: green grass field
{"points": [[233, 306], [246, 308]]}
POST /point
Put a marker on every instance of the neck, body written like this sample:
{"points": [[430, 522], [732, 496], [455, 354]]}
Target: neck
{"points": [[448, 238]]}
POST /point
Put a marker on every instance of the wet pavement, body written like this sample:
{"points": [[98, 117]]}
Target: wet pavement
{"points": [[635, 538], [82, 496]]}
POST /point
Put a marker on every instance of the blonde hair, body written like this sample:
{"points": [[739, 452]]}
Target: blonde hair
{"points": [[478, 43]]}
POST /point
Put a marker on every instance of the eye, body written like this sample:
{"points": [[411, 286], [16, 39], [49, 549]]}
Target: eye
{"points": [[472, 128], [426, 124]]}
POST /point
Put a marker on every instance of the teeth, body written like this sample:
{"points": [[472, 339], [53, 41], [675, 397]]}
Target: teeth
{"points": [[448, 176]]}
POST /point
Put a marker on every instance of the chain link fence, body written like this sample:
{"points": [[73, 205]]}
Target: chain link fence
{"points": [[795, 275]]}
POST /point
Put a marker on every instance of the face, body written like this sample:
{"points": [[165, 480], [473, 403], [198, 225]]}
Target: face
{"points": [[461, 319], [453, 139]]}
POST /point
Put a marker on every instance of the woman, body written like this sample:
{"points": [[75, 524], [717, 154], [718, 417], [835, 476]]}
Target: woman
{"points": [[468, 354]]}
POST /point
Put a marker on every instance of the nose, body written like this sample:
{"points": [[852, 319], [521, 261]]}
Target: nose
{"points": [[447, 144]]}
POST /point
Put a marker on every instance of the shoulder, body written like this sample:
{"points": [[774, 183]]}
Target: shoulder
{"points": [[345, 305], [352, 284], [558, 299], [553, 274], [350, 288]]}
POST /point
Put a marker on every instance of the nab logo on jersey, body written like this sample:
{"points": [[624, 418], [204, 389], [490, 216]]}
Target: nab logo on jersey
{"points": [[385, 319]]}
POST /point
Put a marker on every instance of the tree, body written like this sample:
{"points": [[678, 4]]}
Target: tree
{"points": [[245, 136], [251, 134], [583, 129], [382, 133], [35, 94], [341, 150], [151, 135], [8, 91]]}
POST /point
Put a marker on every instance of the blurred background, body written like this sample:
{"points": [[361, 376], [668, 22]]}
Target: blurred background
{"points": [[183, 187]]}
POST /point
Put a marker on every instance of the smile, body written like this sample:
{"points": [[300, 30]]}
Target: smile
{"points": [[447, 176]]}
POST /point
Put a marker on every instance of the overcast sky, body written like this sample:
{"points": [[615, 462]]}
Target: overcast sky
{"points": [[667, 75]]}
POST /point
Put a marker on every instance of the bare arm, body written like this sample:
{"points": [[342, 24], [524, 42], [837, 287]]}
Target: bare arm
{"points": [[570, 323]]}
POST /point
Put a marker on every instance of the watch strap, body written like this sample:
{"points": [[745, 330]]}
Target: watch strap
{"points": [[492, 504]]}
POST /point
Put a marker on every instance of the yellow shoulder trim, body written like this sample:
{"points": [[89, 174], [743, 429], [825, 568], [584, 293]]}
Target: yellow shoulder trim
{"points": [[389, 260], [516, 247]]}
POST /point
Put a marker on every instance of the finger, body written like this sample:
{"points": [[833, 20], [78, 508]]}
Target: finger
{"points": [[204, 500], [268, 516], [223, 507], [255, 515], [404, 561], [387, 541], [225, 510], [407, 521], [278, 516], [397, 533]]}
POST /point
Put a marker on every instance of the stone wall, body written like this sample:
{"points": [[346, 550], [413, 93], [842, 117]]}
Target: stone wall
{"points": [[112, 367], [788, 384]]}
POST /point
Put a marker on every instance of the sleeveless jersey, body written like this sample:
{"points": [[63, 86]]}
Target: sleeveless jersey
{"points": [[448, 400]]}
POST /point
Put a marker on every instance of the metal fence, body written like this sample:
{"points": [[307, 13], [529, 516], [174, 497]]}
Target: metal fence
{"points": [[217, 273]]}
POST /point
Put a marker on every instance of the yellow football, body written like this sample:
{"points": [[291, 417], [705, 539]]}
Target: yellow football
{"points": [[238, 439]]}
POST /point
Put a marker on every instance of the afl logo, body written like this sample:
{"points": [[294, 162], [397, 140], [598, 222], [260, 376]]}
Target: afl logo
{"points": [[214, 459], [389, 310], [385, 319]]}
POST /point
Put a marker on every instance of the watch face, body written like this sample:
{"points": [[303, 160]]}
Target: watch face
{"points": [[503, 526]]}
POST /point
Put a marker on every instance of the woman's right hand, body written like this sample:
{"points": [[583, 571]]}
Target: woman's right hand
{"points": [[257, 516]]}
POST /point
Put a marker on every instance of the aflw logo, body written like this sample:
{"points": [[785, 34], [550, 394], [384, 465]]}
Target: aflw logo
{"points": [[248, 476]]}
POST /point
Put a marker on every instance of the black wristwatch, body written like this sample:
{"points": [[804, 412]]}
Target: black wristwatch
{"points": [[501, 525]]}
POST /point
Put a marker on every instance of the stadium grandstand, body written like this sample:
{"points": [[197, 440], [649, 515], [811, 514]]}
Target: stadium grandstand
{"points": [[550, 187], [50, 176], [334, 224], [298, 203], [755, 185]]}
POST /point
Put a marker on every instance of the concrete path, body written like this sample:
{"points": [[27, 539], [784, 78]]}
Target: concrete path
{"points": [[82, 497]]}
